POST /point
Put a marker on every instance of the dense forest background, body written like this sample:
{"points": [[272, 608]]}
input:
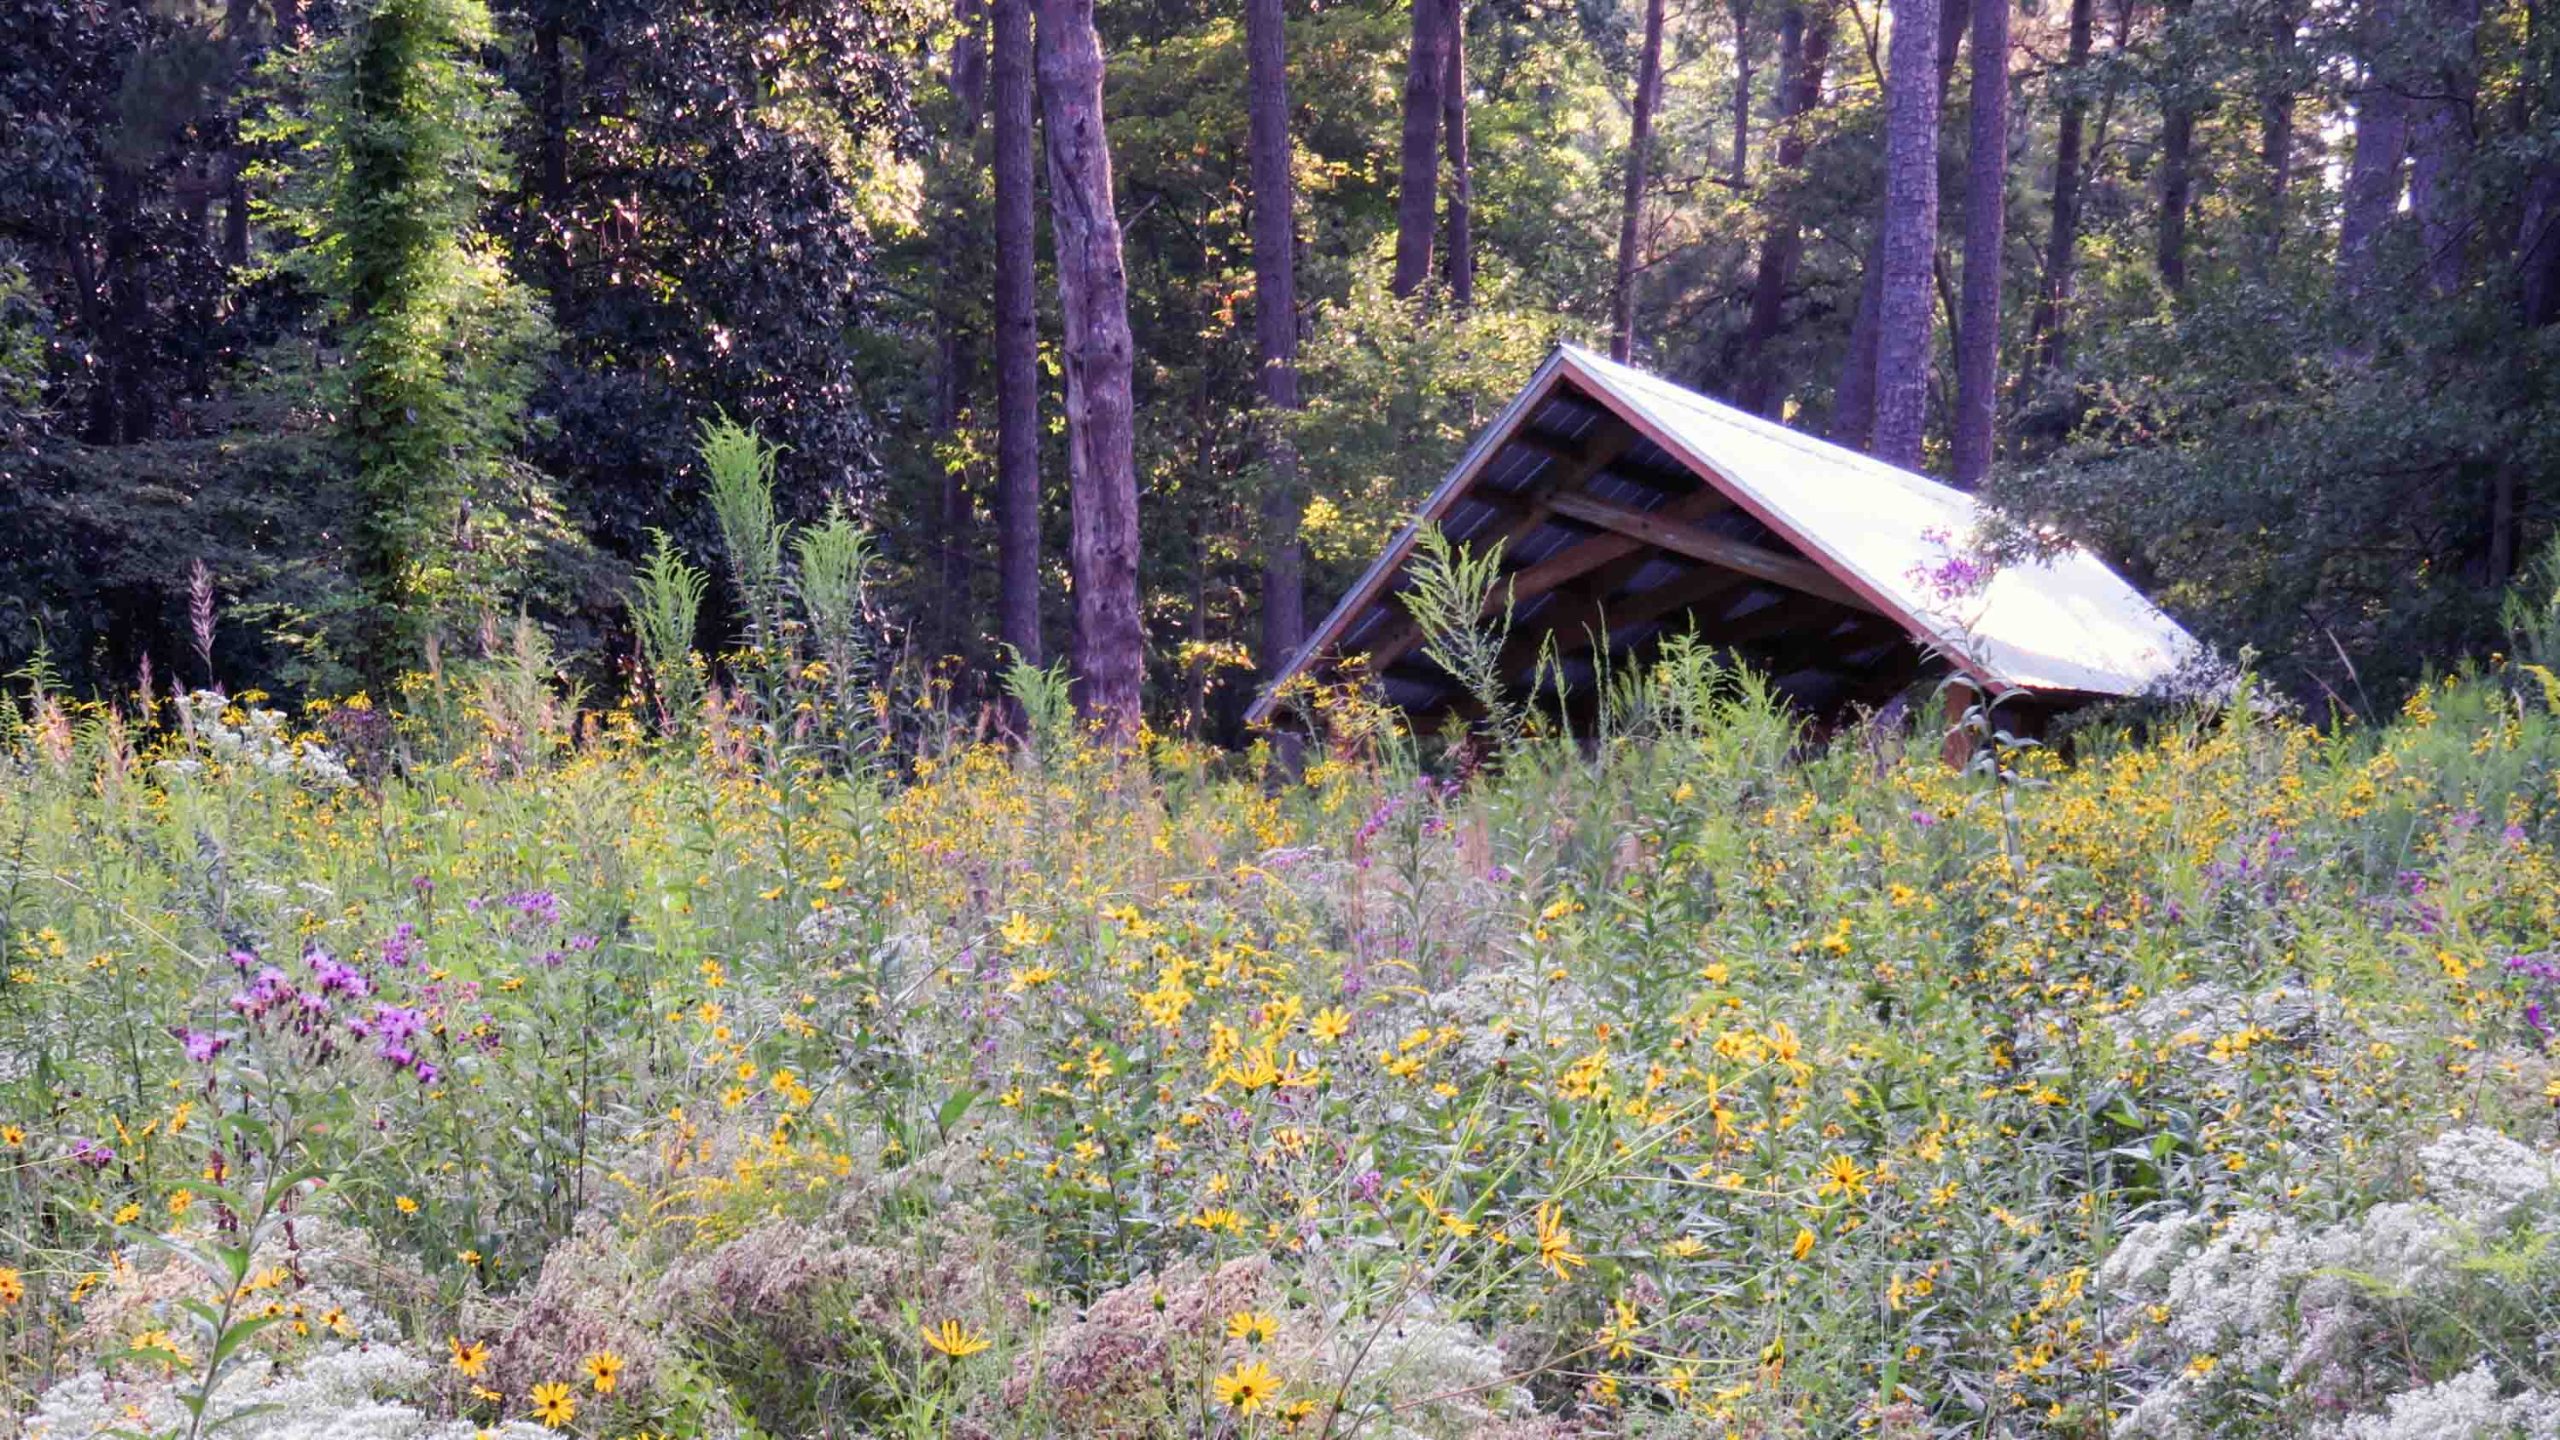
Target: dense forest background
{"points": [[333, 333]]}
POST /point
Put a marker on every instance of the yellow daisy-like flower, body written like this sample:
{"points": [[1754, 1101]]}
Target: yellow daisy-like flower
{"points": [[404, 1204], [472, 1359], [1252, 1325], [1247, 1388], [1555, 1244], [12, 1288], [1331, 1024], [955, 1339], [553, 1405], [604, 1369]]}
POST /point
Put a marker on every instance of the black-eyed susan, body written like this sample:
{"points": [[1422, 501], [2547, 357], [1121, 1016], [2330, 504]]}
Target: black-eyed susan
{"points": [[1247, 1388], [1252, 1325], [471, 1359], [604, 1371], [553, 1405]]}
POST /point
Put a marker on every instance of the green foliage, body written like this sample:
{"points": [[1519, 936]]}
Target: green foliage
{"points": [[741, 467], [666, 613], [1462, 602], [402, 148]]}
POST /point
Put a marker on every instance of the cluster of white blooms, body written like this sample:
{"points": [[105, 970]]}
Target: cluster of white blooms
{"points": [[2466, 1407], [1432, 1375], [1508, 1011], [2482, 1176], [349, 1392], [2314, 1307], [259, 741]]}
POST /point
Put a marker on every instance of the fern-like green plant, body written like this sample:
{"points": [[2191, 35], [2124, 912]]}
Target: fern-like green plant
{"points": [[834, 560], [1453, 591], [741, 467], [666, 608]]}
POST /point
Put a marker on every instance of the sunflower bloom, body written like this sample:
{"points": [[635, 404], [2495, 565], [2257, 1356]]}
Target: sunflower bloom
{"points": [[1247, 1388], [604, 1371], [1555, 1244], [553, 1405], [955, 1339]]}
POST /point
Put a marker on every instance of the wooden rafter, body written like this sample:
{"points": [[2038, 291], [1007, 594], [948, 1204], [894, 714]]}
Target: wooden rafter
{"points": [[1608, 439], [1682, 538]]}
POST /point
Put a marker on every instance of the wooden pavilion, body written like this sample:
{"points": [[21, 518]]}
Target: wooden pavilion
{"points": [[1628, 508]]}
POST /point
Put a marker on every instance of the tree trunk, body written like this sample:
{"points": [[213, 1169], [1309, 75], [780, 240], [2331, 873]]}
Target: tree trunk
{"points": [[1275, 326], [1461, 267], [238, 16], [1622, 321], [1017, 325], [2062, 240], [1905, 306], [2440, 141], [1741, 94], [1986, 194], [2374, 175], [1093, 300], [2275, 122], [2177, 146], [1853, 405], [1803, 47], [957, 357], [1418, 180], [2538, 246]]}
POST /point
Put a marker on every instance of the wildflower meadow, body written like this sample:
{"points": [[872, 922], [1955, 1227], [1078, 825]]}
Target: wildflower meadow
{"points": [[768, 1058]]}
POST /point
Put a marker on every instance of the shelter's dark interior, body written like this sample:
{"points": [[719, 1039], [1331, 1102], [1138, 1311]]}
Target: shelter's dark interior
{"points": [[1603, 532]]}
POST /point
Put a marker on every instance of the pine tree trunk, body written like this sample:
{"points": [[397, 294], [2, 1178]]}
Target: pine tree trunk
{"points": [[1741, 94], [1275, 326], [1622, 323], [1906, 308], [2275, 122], [1093, 299], [1804, 47], [2177, 146], [1986, 194], [2440, 141], [1418, 179], [957, 357], [2062, 240], [2375, 174], [1017, 340], [1461, 267]]}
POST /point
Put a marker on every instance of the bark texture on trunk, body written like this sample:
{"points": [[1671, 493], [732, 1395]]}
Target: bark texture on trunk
{"points": [[957, 357], [1275, 325], [1461, 267], [2440, 141], [1742, 93], [1906, 308], [2376, 173], [2062, 239], [1017, 325], [1093, 300], [2275, 121], [1804, 47], [1622, 319], [2177, 150], [1418, 176], [1986, 194], [2538, 246]]}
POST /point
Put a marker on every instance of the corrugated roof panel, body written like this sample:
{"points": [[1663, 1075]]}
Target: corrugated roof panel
{"points": [[2067, 623]]}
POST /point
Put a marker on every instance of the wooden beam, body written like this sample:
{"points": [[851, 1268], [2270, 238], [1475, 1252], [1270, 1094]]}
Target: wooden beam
{"points": [[1578, 618], [1607, 441], [1682, 538]]}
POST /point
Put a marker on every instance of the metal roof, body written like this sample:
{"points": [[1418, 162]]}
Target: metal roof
{"points": [[1627, 505]]}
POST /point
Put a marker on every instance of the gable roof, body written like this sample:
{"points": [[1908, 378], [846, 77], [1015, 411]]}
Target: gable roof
{"points": [[1624, 500]]}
